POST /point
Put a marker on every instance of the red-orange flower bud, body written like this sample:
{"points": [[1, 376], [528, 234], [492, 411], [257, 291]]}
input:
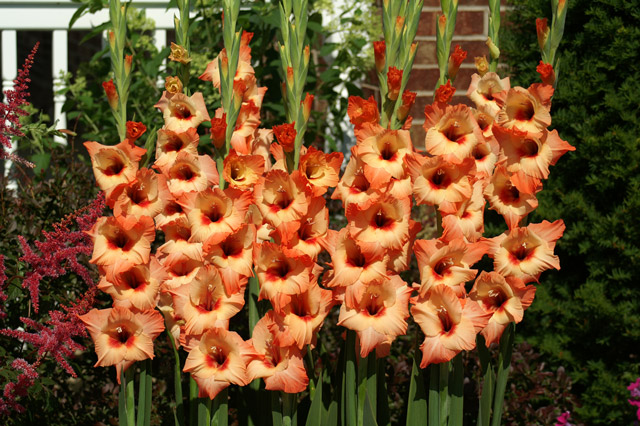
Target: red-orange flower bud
{"points": [[442, 25], [455, 60], [246, 38], [546, 72], [306, 106], [379, 49], [286, 135], [290, 76], [408, 99], [362, 111], [127, 64], [112, 93], [543, 31], [445, 92], [394, 80], [219, 131], [135, 130]]}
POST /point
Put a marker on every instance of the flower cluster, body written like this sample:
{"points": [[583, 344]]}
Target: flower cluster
{"points": [[634, 390]]}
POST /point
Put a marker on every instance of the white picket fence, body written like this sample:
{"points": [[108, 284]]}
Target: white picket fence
{"points": [[54, 15]]}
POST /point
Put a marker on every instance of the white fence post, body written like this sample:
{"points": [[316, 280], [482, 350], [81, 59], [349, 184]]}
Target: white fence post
{"points": [[60, 56], [160, 41], [9, 73]]}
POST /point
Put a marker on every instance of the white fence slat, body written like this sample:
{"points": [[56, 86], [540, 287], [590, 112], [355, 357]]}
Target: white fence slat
{"points": [[60, 61], [160, 41], [9, 73]]}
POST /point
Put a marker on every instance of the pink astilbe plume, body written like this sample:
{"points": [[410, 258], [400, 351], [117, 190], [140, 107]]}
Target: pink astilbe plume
{"points": [[58, 253], [11, 110], [13, 390], [3, 280]]}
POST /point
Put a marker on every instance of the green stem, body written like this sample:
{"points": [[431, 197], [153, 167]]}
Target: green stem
{"points": [[220, 414], [434, 395], [131, 397], [204, 411], [484, 412], [144, 394], [456, 392], [177, 383], [350, 379], [193, 402], [362, 388], [276, 409], [289, 408], [444, 392], [504, 362]]}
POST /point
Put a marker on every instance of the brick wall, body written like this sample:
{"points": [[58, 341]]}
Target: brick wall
{"points": [[472, 25]]}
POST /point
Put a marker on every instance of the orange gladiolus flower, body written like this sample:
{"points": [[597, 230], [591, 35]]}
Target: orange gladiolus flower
{"points": [[383, 152], [204, 303], [547, 75], [244, 72], [455, 60], [122, 239], [134, 286], [114, 165], [281, 198], [320, 170], [215, 212], [233, 256], [180, 270], [281, 366], [450, 324], [482, 91], [172, 211], [408, 99], [218, 359], [181, 112], [190, 173], [506, 199], [436, 180], [379, 315], [385, 223], [526, 252], [169, 144], [354, 187], [465, 218], [451, 132], [445, 92], [243, 171], [146, 195], [178, 244], [447, 263], [282, 273], [361, 111], [135, 130], [122, 337], [526, 110], [505, 299], [310, 235]]}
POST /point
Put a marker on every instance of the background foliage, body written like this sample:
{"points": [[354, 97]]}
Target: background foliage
{"points": [[586, 316]]}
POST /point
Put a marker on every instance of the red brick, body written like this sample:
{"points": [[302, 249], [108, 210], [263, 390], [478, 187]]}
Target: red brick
{"points": [[422, 79], [417, 136], [467, 23], [436, 3]]}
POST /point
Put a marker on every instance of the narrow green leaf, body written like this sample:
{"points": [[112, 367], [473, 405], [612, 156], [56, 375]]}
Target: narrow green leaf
{"points": [[220, 412], [204, 411], [504, 362], [142, 394], [417, 401], [315, 417], [276, 408], [434, 395], [456, 392], [351, 397]]}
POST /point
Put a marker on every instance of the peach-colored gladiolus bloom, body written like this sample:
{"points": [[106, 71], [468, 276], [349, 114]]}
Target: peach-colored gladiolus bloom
{"points": [[169, 144], [282, 272], [242, 171], [262, 140], [134, 286], [526, 110], [380, 314], [529, 155], [303, 316], [122, 337], [352, 263], [233, 256], [320, 170], [485, 153], [118, 239], [308, 238], [465, 218], [506, 199], [450, 324], [483, 89], [281, 198], [354, 187], [214, 211], [181, 112], [190, 173], [526, 252], [172, 211], [246, 125], [244, 72], [114, 165], [383, 152], [385, 223], [146, 195], [399, 259], [505, 298], [178, 244], [180, 270], [447, 263], [218, 359], [281, 367], [452, 131], [436, 180], [173, 322], [204, 303]]}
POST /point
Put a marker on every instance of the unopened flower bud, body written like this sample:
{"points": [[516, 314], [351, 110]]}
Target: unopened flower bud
{"points": [[455, 60], [482, 65], [408, 99], [493, 49], [127, 64], [547, 75], [379, 50], [219, 130], [173, 85], [543, 32], [445, 92], [306, 106], [112, 94], [442, 25], [179, 54], [394, 81]]}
